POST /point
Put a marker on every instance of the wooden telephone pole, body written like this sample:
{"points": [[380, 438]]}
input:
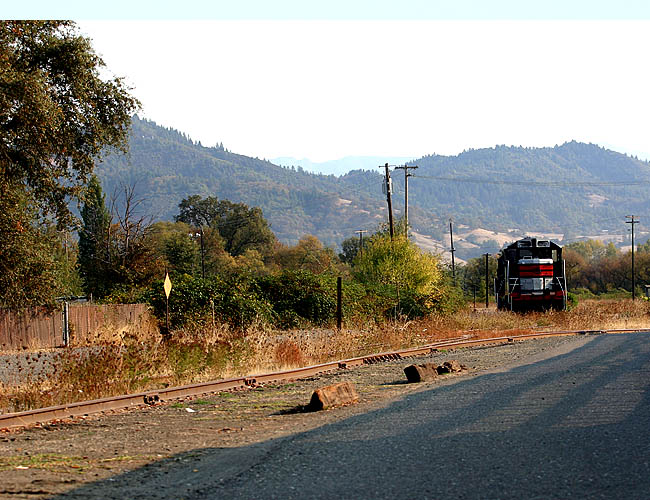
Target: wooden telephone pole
{"points": [[487, 281], [388, 187], [453, 260], [633, 220], [406, 194], [361, 231]]}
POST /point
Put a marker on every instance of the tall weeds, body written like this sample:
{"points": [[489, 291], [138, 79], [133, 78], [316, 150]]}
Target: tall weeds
{"points": [[198, 352]]}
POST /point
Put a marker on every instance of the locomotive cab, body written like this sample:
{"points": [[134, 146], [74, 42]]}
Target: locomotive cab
{"points": [[531, 276]]}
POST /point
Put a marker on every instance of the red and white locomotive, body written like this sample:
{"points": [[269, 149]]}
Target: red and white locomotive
{"points": [[531, 276]]}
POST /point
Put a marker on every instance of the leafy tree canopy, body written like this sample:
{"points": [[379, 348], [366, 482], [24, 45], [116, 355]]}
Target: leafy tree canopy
{"points": [[57, 115], [399, 263], [29, 271], [350, 248], [308, 254], [592, 249], [242, 228]]}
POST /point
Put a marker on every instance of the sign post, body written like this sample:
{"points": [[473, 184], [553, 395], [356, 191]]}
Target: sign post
{"points": [[167, 286]]}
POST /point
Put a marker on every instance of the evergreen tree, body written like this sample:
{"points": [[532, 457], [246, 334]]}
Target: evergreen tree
{"points": [[94, 243]]}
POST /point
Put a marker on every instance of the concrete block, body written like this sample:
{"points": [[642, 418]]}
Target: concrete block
{"points": [[421, 373], [333, 395]]}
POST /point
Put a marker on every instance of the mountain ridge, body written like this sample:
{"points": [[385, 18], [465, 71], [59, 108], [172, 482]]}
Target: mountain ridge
{"points": [[167, 166], [340, 166]]}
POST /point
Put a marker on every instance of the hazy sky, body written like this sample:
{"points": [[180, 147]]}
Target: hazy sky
{"points": [[324, 80]]}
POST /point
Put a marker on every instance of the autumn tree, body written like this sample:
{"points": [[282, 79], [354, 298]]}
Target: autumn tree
{"points": [[575, 266], [592, 249], [115, 250], [132, 259]]}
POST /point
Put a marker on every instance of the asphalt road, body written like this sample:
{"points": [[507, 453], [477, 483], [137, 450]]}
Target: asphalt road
{"points": [[575, 425]]}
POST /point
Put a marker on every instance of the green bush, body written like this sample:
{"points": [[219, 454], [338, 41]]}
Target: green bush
{"points": [[292, 299], [192, 299], [571, 300], [296, 295]]}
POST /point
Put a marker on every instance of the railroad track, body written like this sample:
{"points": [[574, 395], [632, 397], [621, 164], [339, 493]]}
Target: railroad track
{"points": [[42, 415]]}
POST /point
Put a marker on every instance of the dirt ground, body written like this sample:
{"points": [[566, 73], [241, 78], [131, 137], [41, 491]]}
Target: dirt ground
{"points": [[47, 460]]}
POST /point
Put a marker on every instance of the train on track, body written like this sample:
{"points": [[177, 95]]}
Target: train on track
{"points": [[531, 276]]}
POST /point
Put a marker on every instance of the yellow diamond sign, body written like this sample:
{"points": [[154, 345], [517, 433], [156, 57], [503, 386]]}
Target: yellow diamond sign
{"points": [[167, 285]]}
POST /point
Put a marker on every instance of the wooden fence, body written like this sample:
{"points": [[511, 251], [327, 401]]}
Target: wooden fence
{"points": [[88, 324]]}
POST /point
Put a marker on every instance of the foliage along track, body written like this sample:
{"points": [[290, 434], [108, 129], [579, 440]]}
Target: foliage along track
{"points": [[42, 415]]}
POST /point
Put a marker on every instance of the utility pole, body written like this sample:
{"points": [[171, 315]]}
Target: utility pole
{"points": [[339, 303], [388, 188], [361, 231], [406, 194], [202, 256], [633, 220], [453, 260], [487, 295]]}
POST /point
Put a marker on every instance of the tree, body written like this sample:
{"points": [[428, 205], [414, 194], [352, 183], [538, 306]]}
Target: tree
{"points": [[472, 274], [644, 247], [308, 255], [242, 228], [116, 251], [57, 115], [29, 271], [576, 264], [197, 211], [132, 258], [350, 249], [94, 242], [66, 255], [181, 254], [401, 266], [592, 249], [173, 245]]}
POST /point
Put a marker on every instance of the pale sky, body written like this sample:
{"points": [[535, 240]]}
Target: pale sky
{"points": [[327, 83]]}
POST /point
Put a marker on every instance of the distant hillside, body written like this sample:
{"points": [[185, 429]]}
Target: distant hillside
{"points": [[167, 166], [497, 189], [570, 189]]}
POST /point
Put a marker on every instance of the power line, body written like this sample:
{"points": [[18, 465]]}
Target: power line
{"points": [[534, 183]]}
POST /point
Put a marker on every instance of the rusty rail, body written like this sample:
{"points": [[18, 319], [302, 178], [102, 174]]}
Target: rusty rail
{"points": [[82, 408]]}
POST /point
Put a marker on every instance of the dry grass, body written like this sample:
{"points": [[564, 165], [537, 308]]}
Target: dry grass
{"points": [[199, 354], [320, 345]]}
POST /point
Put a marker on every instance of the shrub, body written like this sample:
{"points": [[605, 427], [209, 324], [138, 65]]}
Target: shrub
{"points": [[296, 295], [193, 299], [571, 300]]}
